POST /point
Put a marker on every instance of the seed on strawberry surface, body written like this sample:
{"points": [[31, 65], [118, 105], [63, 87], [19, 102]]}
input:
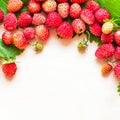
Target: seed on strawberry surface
{"points": [[29, 33], [117, 36], [107, 27], [63, 9], [1, 15], [38, 19], [14, 5], [101, 15], [19, 40], [24, 19], [7, 37], [78, 26], [42, 32], [9, 69], [33, 6], [49, 6], [87, 16], [75, 10], [106, 68], [10, 22], [53, 19]]}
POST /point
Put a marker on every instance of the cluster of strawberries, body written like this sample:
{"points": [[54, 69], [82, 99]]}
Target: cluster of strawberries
{"points": [[45, 14]]}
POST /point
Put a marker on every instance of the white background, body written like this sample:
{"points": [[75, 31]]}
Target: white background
{"points": [[60, 83]]}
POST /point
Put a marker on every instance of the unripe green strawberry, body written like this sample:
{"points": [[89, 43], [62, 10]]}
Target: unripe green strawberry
{"points": [[107, 27], [38, 46]]}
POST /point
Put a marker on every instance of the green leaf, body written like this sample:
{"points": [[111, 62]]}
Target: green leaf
{"points": [[3, 4], [113, 6], [8, 51]]}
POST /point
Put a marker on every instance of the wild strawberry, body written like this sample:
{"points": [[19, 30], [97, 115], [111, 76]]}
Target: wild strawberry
{"points": [[9, 69], [53, 19], [19, 40], [78, 1], [117, 52], [29, 33], [101, 15], [117, 71], [24, 19], [107, 27], [49, 6], [105, 51], [63, 9], [78, 26], [14, 5], [33, 6], [7, 37], [107, 38], [92, 5], [1, 15], [117, 36], [38, 19], [106, 68], [87, 16], [96, 29], [65, 30], [42, 32], [75, 10], [62, 1], [10, 22]]}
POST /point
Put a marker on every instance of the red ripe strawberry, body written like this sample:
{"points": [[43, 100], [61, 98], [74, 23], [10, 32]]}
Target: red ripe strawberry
{"points": [[1, 15], [33, 6], [78, 26], [117, 52], [62, 1], [10, 22], [38, 19], [117, 36], [75, 10], [87, 16], [29, 33], [14, 5], [105, 51], [40, 0], [63, 9], [19, 40], [7, 38], [117, 71], [106, 68], [53, 19], [24, 19], [107, 38], [42, 32], [92, 5], [65, 30], [49, 6], [78, 1], [9, 69], [96, 29], [101, 15]]}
